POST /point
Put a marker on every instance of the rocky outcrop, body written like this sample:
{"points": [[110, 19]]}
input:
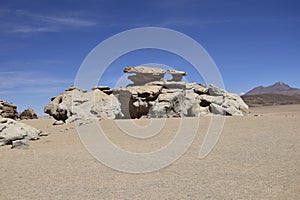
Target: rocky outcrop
{"points": [[75, 104], [28, 114], [11, 130], [149, 96], [8, 110]]}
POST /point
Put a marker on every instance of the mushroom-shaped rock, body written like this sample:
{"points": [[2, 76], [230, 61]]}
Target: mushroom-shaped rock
{"points": [[177, 75]]}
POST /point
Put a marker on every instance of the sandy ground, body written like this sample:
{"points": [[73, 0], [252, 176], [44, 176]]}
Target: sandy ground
{"points": [[257, 157]]}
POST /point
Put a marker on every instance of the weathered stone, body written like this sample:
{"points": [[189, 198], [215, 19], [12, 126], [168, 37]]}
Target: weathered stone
{"points": [[58, 122], [28, 114], [170, 103], [75, 104], [206, 99], [215, 91], [200, 89], [237, 102], [198, 110], [169, 84], [216, 109], [12, 130], [144, 74], [144, 70], [104, 89], [176, 75], [20, 144], [149, 96], [101, 88], [8, 110], [134, 99]]}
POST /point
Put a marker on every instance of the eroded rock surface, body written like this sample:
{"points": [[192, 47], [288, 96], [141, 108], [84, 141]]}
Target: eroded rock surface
{"points": [[11, 130], [28, 114], [143, 74], [8, 110], [148, 96], [75, 104]]}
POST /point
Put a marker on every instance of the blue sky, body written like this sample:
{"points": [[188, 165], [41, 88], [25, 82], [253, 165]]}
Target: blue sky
{"points": [[43, 43]]}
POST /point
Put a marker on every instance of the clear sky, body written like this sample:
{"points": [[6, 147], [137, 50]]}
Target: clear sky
{"points": [[43, 43]]}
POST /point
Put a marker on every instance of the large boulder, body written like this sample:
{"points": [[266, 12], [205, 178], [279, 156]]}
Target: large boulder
{"points": [[11, 130], [8, 110], [28, 114], [75, 104]]}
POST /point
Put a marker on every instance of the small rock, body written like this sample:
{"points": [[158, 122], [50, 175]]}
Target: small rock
{"points": [[58, 122], [43, 134], [20, 144], [83, 123]]}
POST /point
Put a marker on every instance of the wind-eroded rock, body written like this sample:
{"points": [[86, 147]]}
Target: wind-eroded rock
{"points": [[8, 110], [144, 74], [28, 114], [11, 130], [149, 96], [75, 104]]}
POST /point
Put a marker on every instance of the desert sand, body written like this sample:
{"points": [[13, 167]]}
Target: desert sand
{"points": [[256, 157]]}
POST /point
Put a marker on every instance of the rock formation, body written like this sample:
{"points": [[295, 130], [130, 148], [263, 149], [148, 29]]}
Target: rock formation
{"points": [[75, 104], [8, 110], [28, 114], [176, 75], [144, 74], [17, 133], [148, 96]]}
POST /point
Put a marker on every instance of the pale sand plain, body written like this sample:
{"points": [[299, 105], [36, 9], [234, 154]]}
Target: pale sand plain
{"points": [[256, 157]]}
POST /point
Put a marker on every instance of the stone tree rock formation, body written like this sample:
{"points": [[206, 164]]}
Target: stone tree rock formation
{"points": [[149, 96], [28, 114], [8, 110]]}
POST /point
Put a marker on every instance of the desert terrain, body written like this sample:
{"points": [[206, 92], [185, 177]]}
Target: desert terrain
{"points": [[256, 157]]}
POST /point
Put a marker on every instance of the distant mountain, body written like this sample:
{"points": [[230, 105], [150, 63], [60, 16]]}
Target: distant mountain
{"points": [[276, 94], [277, 88], [270, 99]]}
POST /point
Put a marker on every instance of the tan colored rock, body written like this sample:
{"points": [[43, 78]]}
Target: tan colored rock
{"points": [[28, 114], [104, 89], [8, 110], [176, 75], [144, 74]]}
